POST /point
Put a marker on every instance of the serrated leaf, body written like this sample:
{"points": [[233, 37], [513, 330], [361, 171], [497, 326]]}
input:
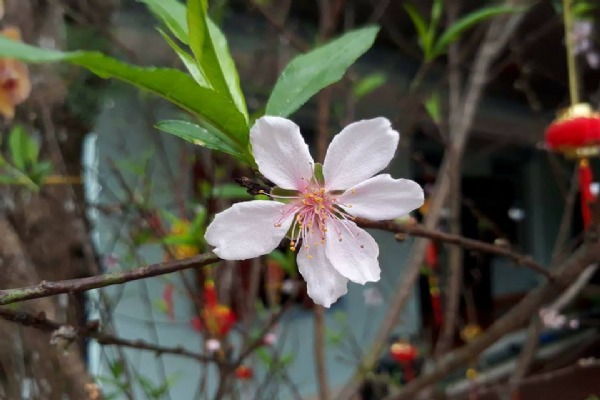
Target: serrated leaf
{"points": [[200, 136], [308, 73], [187, 60], [228, 67], [173, 15], [208, 44], [173, 85], [466, 22], [196, 22]]}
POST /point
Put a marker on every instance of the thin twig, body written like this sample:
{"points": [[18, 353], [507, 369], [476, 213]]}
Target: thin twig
{"points": [[470, 244], [91, 331], [496, 38], [514, 319], [51, 288]]}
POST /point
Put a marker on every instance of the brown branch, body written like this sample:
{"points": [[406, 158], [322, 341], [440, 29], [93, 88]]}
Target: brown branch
{"points": [[514, 319], [495, 40], [549, 376], [455, 257], [91, 331], [470, 244], [48, 288]]}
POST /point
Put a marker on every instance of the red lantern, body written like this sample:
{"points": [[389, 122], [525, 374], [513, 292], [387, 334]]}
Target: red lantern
{"points": [[576, 134], [406, 354]]}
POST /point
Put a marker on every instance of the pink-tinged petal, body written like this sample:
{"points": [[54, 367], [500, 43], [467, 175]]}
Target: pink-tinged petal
{"points": [[324, 284], [382, 197], [358, 152], [248, 230], [352, 251], [281, 153]]}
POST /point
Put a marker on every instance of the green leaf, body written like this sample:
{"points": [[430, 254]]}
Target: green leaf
{"points": [[308, 73], [582, 9], [178, 240], [421, 28], [436, 13], [173, 15], [187, 60], [117, 369], [39, 171], [173, 85], [228, 67], [202, 137], [369, 83], [432, 105], [24, 150], [196, 20], [208, 45], [468, 21], [197, 225]]}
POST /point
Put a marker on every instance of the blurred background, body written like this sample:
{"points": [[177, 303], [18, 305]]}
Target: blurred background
{"points": [[117, 193]]}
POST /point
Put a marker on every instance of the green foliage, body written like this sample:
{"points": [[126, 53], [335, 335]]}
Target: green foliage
{"points": [[581, 9], [211, 91], [24, 150], [25, 167], [433, 107], [368, 84], [434, 47], [467, 22], [156, 391], [193, 235], [173, 15], [211, 139], [193, 26], [231, 191], [175, 86], [308, 73]]}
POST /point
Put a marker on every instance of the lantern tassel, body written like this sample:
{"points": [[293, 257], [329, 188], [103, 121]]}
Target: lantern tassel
{"points": [[585, 181]]}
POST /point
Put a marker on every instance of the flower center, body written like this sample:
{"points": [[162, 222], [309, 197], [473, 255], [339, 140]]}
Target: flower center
{"points": [[313, 207]]}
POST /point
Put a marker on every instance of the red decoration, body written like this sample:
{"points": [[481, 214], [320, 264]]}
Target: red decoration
{"points": [[216, 319], [576, 133], [244, 372], [405, 353]]}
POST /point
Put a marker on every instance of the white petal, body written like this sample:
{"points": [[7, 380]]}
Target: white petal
{"points": [[325, 285], [382, 197], [358, 152], [352, 251], [248, 230], [281, 153]]}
